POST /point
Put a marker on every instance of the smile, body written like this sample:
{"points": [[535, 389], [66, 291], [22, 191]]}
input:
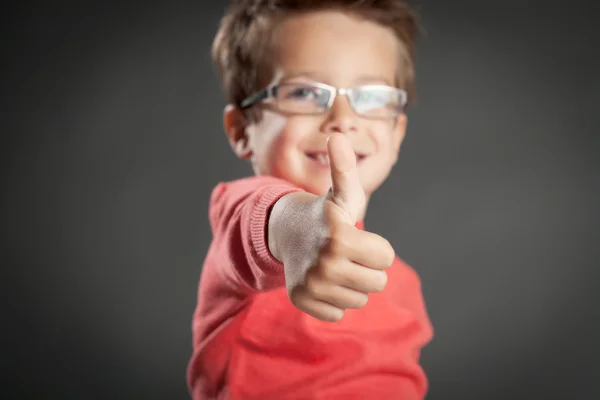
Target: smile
{"points": [[322, 159]]}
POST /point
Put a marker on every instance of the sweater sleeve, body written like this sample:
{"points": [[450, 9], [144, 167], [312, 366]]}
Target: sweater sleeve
{"points": [[239, 215]]}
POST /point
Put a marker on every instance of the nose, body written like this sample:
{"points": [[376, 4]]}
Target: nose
{"points": [[340, 117]]}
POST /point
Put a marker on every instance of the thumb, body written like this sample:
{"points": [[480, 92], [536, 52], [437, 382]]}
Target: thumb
{"points": [[346, 190]]}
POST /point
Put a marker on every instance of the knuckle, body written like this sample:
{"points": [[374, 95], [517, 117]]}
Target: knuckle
{"points": [[386, 251], [328, 270], [381, 282], [334, 316], [365, 300], [361, 301], [312, 286], [387, 245], [391, 253], [352, 281]]}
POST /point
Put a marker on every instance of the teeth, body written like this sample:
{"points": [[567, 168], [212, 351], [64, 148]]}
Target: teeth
{"points": [[323, 158]]}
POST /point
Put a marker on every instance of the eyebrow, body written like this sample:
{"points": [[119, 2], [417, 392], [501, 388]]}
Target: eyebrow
{"points": [[361, 79]]}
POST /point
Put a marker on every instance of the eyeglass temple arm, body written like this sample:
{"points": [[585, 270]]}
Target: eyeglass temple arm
{"points": [[255, 98]]}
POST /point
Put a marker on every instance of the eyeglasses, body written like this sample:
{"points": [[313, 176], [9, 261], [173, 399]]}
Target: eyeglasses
{"points": [[371, 101]]}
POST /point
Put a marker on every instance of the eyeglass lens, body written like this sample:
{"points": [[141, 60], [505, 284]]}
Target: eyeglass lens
{"points": [[373, 101]]}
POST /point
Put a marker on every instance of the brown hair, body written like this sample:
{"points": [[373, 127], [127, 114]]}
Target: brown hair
{"points": [[241, 47]]}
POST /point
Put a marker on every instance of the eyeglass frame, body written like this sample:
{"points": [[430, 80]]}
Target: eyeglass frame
{"points": [[269, 92]]}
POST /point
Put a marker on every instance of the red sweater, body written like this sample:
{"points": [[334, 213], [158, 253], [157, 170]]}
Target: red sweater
{"points": [[250, 342]]}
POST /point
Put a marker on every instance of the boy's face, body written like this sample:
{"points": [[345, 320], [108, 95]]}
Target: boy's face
{"points": [[342, 51]]}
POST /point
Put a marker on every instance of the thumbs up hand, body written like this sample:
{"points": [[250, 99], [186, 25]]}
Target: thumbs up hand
{"points": [[329, 264]]}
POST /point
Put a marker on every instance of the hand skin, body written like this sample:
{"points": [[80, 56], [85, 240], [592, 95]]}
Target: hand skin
{"points": [[329, 264]]}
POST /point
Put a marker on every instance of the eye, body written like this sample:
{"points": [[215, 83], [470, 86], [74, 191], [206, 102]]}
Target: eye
{"points": [[368, 99], [364, 96], [302, 93]]}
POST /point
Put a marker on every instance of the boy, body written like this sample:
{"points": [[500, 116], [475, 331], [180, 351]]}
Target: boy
{"points": [[291, 302]]}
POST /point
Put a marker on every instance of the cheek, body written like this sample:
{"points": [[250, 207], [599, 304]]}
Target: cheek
{"points": [[298, 127], [379, 169], [292, 134], [267, 132], [276, 140], [383, 136]]}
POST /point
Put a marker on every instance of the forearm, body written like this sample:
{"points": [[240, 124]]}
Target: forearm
{"points": [[239, 215]]}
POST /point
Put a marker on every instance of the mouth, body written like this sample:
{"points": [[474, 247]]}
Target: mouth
{"points": [[322, 158]]}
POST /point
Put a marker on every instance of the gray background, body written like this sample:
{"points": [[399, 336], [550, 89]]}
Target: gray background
{"points": [[112, 142]]}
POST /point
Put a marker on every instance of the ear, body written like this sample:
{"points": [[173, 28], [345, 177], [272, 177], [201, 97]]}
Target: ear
{"points": [[399, 134], [235, 124]]}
